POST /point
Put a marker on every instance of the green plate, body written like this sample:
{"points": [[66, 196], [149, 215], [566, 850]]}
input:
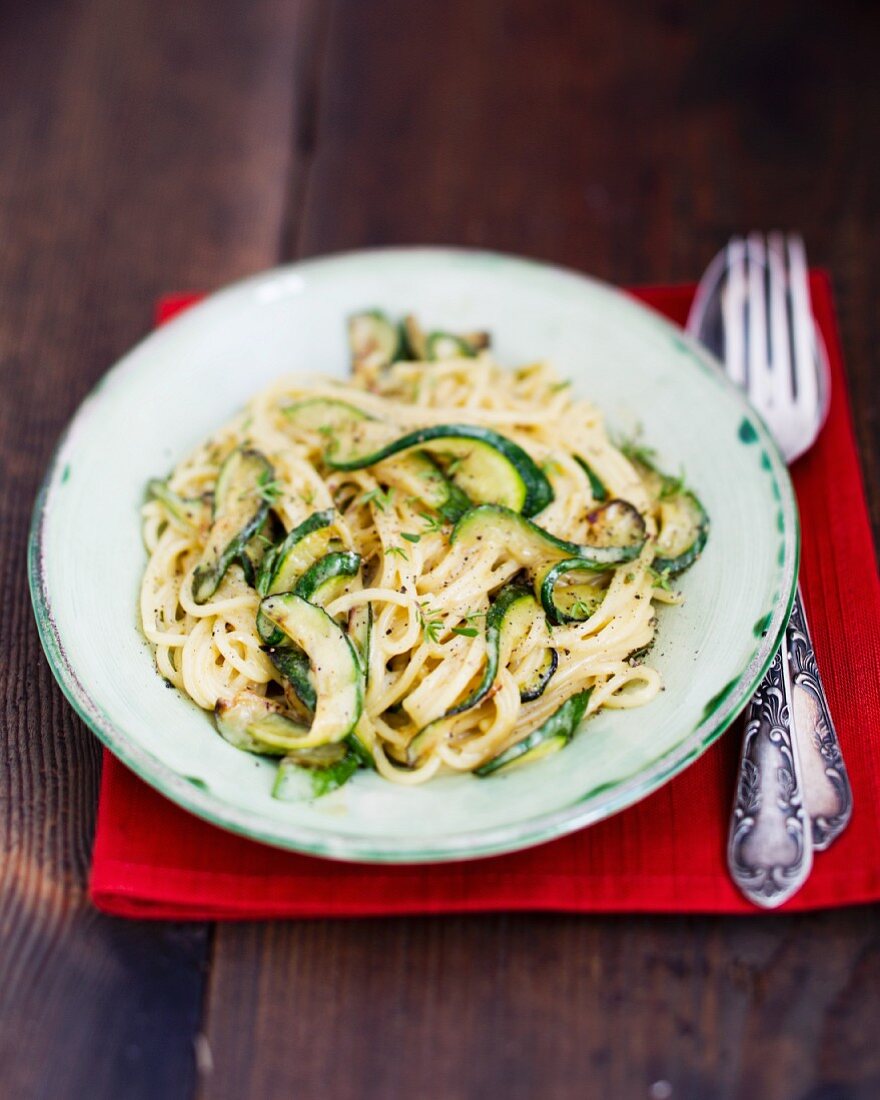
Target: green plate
{"points": [[172, 390]]}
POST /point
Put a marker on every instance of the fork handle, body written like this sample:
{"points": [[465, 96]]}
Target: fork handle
{"points": [[770, 845], [827, 790]]}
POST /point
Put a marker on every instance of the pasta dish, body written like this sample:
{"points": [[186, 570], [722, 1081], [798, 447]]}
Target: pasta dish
{"points": [[440, 565]]}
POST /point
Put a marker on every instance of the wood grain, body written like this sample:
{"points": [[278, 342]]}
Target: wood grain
{"points": [[623, 139], [143, 147], [547, 1006], [149, 146], [629, 145]]}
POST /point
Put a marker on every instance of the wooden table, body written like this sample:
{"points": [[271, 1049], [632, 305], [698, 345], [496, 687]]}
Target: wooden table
{"points": [[148, 146]]}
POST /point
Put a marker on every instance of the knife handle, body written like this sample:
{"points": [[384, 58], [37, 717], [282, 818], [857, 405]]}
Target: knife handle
{"points": [[770, 845], [827, 790]]}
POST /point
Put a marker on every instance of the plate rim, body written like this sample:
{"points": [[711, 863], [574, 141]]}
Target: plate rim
{"points": [[589, 808]]}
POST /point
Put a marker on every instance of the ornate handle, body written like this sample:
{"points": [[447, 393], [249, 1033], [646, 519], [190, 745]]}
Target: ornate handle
{"points": [[770, 848], [827, 791]]}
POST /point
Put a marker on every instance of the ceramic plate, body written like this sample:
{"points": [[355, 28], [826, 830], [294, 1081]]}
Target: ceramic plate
{"points": [[175, 388]]}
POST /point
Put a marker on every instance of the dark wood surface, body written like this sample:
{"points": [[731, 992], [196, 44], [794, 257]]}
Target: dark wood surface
{"points": [[147, 146]]}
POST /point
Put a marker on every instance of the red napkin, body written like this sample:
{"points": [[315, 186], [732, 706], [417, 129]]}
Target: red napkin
{"points": [[667, 854]]}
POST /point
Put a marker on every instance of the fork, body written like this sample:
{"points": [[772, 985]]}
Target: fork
{"points": [[793, 796]]}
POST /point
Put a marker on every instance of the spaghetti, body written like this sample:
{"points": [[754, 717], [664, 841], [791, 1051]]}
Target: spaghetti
{"points": [[473, 626]]}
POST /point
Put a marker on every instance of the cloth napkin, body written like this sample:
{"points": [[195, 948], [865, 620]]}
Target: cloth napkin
{"points": [[666, 854]]}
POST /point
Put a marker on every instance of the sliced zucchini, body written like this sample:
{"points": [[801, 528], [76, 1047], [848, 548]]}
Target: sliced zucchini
{"points": [[252, 556], [326, 420], [415, 474], [616, 523], [334, 665], [323, 415], [329, 577], [531, 545], [479, 340], [597, 488], [682, 520], [362, 738], [416, 344], [285, 563], [518, 618], [313, 773], [240, 510], [374, 340], [684, 529], [445, 345], [566, 600], [294, 666], [509, 620], [362, 741], [246, 562], [321, 756], [552, 735], [360, 627], [486, 466], [192, 512], [427, 737], [534, 685], [254, 724]]}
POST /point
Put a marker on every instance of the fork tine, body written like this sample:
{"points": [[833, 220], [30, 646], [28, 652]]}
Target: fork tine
{"points": [[803, 362], [733, 309], [760, 381], [782, 392]]}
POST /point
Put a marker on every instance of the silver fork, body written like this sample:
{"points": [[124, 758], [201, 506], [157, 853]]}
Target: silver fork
{"points": [[793, 796]]}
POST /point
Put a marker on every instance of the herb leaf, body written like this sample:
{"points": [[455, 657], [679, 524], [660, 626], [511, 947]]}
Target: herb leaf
{"points": [[432, 623], [638, 452], [671, 486], [378, 496], [432, 523], [267, 488], [581, 609], [452, 462], [661, 579]]}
